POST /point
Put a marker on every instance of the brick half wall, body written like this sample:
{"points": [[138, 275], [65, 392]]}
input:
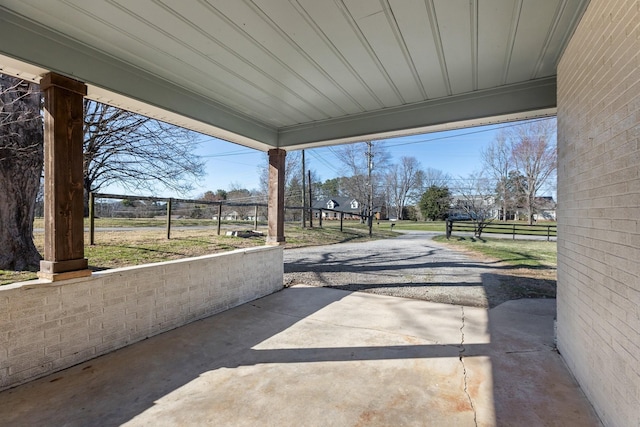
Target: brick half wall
{"points": [[599, 208], [46, 327]]}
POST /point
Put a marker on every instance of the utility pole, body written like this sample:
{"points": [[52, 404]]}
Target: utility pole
{"points": [[304, 193], [370, 167], [310, 203]]}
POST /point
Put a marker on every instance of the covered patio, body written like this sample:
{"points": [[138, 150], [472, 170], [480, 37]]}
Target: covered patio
{"points": [[317, 357], [286, 75]]}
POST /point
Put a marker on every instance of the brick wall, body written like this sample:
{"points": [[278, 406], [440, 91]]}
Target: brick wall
{"points": [[599, 208], [45, 327]]}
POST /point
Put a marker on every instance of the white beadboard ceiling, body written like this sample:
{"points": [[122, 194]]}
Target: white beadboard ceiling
{"points": [[300, 73]]}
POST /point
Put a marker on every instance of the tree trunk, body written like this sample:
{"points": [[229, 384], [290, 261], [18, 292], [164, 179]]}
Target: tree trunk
{"points": [[530, 211], [21, 160]]}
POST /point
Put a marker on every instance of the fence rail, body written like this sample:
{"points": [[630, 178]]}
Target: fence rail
{"points": [[513, 229], [169, 207], [171, 202]]}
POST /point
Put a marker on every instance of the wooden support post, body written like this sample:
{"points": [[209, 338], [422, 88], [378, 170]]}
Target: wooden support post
{"points": [[168, 218], [92, 214], [63, 180], [275, 233], [320, 218], [219, 217]]}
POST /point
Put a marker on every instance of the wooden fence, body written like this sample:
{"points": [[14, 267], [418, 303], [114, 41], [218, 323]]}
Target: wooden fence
{"points": [[514, 229]]}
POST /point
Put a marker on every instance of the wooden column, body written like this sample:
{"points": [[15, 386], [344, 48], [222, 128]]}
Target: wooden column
{"points": [[63, 177], [275, 233]]}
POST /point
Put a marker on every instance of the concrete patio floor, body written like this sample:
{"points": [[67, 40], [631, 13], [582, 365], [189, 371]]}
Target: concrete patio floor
{"points": [[318, 357]]}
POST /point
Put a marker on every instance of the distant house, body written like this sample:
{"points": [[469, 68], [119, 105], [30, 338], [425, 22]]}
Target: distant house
{"points": [[231, 216], [545, 209], [331, 208], [466, 207]]}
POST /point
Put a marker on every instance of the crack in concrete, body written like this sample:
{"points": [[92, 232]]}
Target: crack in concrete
{"points": [[464, 369]]}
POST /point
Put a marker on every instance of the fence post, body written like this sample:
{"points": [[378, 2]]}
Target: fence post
{"points": [[219, 217], [168, 218], [91, 217], [514, 232], [255, 219], [548, 232], [448, 228], [341, 218], [320, 219]]}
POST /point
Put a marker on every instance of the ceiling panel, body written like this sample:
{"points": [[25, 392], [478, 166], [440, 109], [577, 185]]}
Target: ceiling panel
{"points": [[458, 41], [495, 40], [341, 30], [308, 38], [414, 21], [379, 28], [536, 20], [567, 13], [291, 73]]}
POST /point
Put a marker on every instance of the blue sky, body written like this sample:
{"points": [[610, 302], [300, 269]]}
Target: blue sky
{"points": [[455, 152]]}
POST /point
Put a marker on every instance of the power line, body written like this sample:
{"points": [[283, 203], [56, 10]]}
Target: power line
{"points": [[390, 145], [228, 153], [324, 162]]}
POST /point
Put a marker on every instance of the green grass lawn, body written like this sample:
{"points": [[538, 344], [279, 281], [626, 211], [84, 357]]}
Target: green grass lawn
{"points": [[518, 253], [152, 222], [126, 248]]}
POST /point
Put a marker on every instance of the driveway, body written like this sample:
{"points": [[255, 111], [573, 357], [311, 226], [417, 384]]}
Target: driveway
{"points": [[412, 265]]}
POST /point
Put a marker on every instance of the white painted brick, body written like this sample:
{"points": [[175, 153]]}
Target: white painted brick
{"points": [[598, 205], [47, 328]]}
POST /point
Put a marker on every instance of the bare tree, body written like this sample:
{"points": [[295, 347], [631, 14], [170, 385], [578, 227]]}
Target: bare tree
{"points": [[21, 160], [435, 178], [534, 154], [476, 199], [498, 163], [240, 200], [136, 152], [404, 183], [355, 167]]}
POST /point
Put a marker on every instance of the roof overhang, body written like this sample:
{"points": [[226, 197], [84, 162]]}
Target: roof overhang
{"points": [[407, 67]]}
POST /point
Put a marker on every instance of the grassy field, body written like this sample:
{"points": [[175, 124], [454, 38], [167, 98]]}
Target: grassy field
{"points": [[120, 248], [115, 248], [38, 223]]}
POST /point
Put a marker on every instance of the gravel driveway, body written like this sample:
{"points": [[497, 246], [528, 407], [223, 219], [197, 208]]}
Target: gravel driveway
{"points": [[412, 265]]}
